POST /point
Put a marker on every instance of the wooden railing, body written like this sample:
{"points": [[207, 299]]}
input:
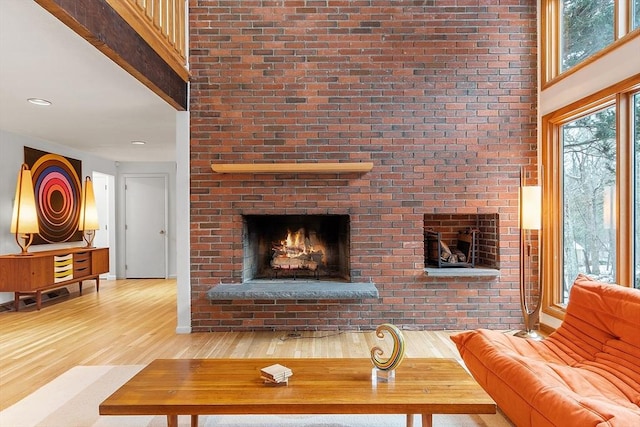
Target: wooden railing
{"points": [[161, 23]]}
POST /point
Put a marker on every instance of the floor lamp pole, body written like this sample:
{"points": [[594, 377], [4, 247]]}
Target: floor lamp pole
{"points": [[529, 219]]}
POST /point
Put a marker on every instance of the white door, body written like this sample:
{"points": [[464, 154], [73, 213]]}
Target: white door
{"points": [[145, 226], [104, 194]]}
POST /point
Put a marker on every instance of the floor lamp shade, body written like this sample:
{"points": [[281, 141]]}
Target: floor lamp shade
{"points": [[530, 210], [88, 219], [24, 220]]}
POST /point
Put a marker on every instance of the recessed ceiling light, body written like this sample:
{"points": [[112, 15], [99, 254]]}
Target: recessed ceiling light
{"points": [[138, 142], [39, 101]]}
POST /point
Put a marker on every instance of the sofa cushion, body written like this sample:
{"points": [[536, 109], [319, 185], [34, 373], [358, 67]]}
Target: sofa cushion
{"points": [[597, 313], [587, 373]]}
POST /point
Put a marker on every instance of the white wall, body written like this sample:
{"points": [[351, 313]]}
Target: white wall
{"points": [[11, 157], [183, 223]]}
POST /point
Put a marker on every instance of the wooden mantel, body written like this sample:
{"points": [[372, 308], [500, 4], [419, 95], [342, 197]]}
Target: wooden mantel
{"points": [[294, 167]]}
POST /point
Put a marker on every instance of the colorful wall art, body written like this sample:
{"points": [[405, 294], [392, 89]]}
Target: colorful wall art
{"points": [[57, 186]]}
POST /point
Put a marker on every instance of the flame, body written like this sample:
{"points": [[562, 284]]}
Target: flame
{"points": [[298, 244]]}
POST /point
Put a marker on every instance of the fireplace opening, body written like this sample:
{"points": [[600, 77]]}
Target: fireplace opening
{"points": [[296, 246], [451, 229]]}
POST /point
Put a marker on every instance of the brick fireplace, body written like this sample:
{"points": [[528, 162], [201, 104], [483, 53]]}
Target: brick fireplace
{"points": [[439, 96]]}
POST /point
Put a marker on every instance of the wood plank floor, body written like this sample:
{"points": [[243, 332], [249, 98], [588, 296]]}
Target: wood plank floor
{"points": [[133, 322]]}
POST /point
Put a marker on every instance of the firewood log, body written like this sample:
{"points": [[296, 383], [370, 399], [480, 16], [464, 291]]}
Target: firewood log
{"points": [[445, 252]]}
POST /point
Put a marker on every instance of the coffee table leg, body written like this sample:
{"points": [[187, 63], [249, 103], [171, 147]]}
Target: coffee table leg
{"points": [[427, 420], [172, 421], [409, 420]]}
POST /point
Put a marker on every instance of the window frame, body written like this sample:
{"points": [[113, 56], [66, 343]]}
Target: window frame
{"points": [[620, 95], [550, 18]]}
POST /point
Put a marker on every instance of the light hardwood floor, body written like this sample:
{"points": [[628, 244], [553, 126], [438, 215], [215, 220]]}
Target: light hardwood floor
{"points": [[133, 322]]}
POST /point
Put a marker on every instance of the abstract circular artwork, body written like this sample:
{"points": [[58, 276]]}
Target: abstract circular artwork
{"points": [[57, 189]]}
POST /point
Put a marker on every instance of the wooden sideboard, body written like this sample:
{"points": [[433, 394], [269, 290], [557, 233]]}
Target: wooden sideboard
{"points": [[36, 272]]}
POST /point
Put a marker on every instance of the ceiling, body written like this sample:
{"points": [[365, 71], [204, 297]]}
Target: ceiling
{"points": [[97, 107]]}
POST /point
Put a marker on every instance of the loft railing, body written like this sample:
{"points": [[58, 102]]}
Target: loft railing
{"points": [[161, 23]]}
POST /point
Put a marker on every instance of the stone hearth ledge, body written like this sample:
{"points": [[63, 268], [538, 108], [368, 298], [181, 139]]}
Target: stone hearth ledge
{"points": [[292, 290]]}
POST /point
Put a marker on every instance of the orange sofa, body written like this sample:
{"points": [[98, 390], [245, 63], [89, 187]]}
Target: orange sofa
{"points": [[586, 373]]}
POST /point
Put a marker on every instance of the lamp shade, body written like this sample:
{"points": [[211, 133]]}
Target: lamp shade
{"points": [[531, 207], [88, 219], [25, 217]]}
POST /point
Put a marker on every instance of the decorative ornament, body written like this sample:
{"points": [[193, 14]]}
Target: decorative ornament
{"points": [[398, 348]]}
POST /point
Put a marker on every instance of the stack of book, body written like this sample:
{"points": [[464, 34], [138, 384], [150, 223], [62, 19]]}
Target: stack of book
{"points": [[276, 374]]}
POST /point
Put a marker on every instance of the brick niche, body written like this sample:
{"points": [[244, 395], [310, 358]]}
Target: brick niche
{"points": [[439, 95]]}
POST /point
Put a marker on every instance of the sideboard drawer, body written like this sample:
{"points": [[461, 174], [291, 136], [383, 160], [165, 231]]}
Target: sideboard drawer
{"points": [[81, 264], [62, 268]]}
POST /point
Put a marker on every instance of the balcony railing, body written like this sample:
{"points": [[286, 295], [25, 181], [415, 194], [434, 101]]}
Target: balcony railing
{"points": [[161, 23]]}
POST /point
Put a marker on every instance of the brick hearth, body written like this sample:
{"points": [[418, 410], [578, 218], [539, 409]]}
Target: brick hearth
{"points": [[440, 96]]}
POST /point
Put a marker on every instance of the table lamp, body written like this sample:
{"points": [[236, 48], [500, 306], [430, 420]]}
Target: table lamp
{"points": [[88, 221], [24, 220]]}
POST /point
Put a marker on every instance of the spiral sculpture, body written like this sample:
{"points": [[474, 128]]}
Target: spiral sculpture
{"points": [[398, 348]]}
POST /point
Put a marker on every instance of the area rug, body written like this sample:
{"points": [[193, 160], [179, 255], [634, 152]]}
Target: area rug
{"points": [[72, 399]]}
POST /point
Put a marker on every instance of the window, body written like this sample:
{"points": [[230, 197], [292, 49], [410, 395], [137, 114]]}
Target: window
{"points": [[589, 182], [591, 179], [586, 27], [575, 32]]}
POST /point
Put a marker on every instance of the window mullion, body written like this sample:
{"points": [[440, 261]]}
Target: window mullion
{"points": [[550, 39], [621, 18], [552, 257], [625, 211]]}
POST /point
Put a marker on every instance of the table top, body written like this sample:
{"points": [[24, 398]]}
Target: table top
{"points": [[321, 386]]}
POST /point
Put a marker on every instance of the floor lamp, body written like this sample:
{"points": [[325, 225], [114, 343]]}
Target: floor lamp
{"points": [[530, 218], [24, 220], [88, 221]]}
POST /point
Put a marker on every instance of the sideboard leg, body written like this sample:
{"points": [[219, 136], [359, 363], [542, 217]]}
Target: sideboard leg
{"points": [[16, 300], [427, 420], [172, 421], [38, 300], [80, 286], [194, 420], [409, 420]]}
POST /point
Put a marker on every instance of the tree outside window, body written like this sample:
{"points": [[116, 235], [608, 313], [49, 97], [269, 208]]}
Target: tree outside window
{"points": [[586, 27], [589, 191]]}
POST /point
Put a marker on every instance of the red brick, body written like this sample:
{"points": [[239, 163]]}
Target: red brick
{"points": [[440, 97]]}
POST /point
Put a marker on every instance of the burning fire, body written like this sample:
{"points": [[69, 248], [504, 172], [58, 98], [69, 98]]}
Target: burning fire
{"points": [[298, 251], [296, 243]]}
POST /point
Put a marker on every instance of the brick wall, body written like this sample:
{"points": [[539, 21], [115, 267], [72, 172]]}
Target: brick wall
{"points": [[440, 95]]}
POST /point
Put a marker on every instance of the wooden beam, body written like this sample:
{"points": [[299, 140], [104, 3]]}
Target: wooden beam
{"points": [[104, 28], [294, 167]]}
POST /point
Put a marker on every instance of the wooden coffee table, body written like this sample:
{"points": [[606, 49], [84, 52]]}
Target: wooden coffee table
{"points": [[195, 387]]}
